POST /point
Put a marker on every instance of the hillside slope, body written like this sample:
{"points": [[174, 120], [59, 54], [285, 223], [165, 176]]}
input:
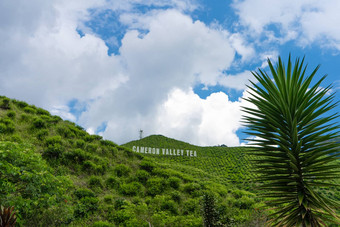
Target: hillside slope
{"points": [[228, 165], [55, 173]]}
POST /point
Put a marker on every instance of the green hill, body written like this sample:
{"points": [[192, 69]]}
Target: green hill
{"points": [[227, 165], [56, 174]]}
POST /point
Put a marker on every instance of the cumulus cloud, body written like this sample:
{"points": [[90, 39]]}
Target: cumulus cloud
{"points": [[176, 52], [305, 21], [147, 84], [213, 120]]}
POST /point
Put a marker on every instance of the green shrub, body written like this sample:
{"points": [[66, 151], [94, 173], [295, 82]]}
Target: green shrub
{"points": [[191, 206], [92, 148], [42, 134], [53, 151], [91, 167], [25, 118], [107, 143], [30, 110], [161, 172], [244, 202], [174, 182], [76, 156], [41, 111], [169, 205], [83, 192], [108, 199], [38, 123], [86, 206], [20, 104], [102, 224], [88, 138], [95, 182], [130, 189], [6, 128], [155, 186], [120, 203], [6, 125], [147, 165], [80, 143], [16, 138], [142, 176], [53, 140], [65, 131], [121, 170], [5, 103], [192, 189], [11, 114], [176, 196], [112, 182]]}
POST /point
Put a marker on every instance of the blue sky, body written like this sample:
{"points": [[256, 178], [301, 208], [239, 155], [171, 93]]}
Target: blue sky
{"points": [[172, 67]]}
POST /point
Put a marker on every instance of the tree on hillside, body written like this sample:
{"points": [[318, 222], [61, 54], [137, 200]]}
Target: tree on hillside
{"points": [[293, 128]]}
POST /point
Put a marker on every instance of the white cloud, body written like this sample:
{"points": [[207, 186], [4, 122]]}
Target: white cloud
{"points": [[44, 61], [305, 21]]}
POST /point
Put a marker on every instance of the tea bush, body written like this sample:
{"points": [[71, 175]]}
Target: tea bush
{"points": [[130, 189], [121, 170]]}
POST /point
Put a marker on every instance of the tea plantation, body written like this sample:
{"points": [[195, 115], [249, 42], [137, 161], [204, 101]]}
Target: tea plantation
{"points": [[55, 174]]}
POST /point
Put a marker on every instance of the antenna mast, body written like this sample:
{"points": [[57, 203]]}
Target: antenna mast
{"points": [[141, 134]]}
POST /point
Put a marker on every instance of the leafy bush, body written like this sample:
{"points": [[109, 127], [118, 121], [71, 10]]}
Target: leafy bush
{"points": [[176, 196], [76, 156], [95, 182], [191, 206], [38, 123], [30, 185], [5, 103], [11, 114], [174, 182], [169, 205], [108, 199], [192, 188], [6, 126], [142, 176], [112, 182], [20, 104], [130, 189], [121, 170], [155, 185], [107, 143], [91, 147], [53, 140], [65, 131], [80, 143], [42, 134], [25, 118], [83, 192], [91, 167], [54, 151], [30, 110], [86, 206], [41, 111], [102, 224], [147, 165], [161, 172]]}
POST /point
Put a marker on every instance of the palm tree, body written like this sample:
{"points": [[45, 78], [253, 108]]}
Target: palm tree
{"points": [[292, 129]]}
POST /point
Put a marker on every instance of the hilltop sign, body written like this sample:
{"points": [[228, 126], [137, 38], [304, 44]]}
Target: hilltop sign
{"points": [[164, 151]]}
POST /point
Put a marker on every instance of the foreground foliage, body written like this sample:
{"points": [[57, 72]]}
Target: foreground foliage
{"points": [[56, 174], [293, 129]]}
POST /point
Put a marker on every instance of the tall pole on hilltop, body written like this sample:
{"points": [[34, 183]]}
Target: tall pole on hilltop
{"points": [[141, 134]]}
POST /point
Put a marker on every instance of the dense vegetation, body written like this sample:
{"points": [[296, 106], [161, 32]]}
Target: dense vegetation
{"points": [[55, 173], [228, 165]]}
